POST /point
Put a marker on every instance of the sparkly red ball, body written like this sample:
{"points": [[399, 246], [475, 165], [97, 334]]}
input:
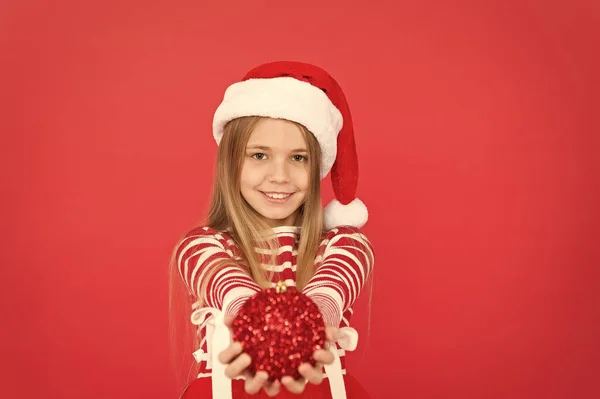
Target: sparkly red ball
{"points": [[280, 328]]}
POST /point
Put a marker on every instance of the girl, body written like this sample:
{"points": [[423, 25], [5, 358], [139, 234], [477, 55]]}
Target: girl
{"points": [[280, 130]]}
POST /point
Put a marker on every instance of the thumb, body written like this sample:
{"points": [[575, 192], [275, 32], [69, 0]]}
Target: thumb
{"points": [[229, 321], [333, 333]]}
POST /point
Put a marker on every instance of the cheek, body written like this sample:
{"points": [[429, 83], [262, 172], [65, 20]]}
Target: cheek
{"points": [[249, 177], [301, 178]]}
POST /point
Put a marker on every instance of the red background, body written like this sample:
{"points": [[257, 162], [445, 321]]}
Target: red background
{"points": [[477, 126]]}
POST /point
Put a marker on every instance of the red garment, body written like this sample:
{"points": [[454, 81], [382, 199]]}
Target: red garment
{"points": [[201, 389]]}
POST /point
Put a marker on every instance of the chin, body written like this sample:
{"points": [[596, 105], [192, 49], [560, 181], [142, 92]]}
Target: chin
{"points": [[279, 215], [276, 216]]}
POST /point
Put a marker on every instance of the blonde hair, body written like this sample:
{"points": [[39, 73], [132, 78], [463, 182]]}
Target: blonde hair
{"points": [[230, 211]]}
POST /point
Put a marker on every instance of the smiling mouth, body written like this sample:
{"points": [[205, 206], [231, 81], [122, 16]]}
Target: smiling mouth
{"points": [[279, 197]]}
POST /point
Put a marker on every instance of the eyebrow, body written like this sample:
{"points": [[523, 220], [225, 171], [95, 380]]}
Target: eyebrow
{"points": [[265, 148]]}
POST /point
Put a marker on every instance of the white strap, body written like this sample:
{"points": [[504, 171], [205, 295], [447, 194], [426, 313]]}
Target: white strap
{"points": [[348, 342], [219, 338], [334, 373]]}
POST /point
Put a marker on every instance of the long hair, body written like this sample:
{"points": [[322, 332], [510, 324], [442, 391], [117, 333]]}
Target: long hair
{"points": [[230, 211]]}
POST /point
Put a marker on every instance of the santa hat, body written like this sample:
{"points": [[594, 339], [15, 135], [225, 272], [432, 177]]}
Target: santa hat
{"points": [[308, 95]]}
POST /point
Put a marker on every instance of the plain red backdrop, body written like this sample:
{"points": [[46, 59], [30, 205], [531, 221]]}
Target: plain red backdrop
{"points": [[477, 127]]}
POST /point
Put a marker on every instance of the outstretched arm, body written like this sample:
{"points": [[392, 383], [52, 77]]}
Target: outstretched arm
{"points": [[205, 261], [345, 266]]}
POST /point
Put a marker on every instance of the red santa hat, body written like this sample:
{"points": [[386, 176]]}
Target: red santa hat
{"points": [[308, 95]]}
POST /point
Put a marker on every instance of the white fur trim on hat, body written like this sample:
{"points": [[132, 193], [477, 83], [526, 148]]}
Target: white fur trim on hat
{"points": [[284, 98], [353, 214]]}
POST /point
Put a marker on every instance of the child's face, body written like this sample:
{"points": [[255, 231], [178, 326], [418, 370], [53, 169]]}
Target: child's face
{"points": [[275, 174]]}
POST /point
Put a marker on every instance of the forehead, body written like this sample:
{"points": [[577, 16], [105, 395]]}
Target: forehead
{"points": [[278, 134]]}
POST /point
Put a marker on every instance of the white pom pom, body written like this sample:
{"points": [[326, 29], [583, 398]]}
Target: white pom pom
{"points": [[353, 214]]}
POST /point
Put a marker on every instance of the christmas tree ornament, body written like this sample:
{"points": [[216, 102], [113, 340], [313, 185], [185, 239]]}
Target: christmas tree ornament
{"points": [[279, 328]]}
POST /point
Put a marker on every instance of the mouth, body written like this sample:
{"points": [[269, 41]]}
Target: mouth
{"points": [[276, 197]]}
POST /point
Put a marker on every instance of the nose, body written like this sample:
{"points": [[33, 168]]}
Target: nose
{"points": [[278, 173]]}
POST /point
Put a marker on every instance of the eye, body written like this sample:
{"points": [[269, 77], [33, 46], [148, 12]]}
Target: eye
{"points": [[259, 156], [300, 158]]}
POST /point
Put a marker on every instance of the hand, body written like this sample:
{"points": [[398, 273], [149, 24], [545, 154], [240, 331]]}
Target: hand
{"points": [[237, 364], [313, 375]]}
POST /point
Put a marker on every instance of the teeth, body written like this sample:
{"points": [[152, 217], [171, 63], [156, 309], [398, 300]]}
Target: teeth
{"points": [[277, 196]]}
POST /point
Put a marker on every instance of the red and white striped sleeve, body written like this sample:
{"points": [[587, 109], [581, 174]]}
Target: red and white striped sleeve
{"points": [[343, 268], [205, 253]]}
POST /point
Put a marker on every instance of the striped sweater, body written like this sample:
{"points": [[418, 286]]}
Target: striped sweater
{"points": [[343, 264]]}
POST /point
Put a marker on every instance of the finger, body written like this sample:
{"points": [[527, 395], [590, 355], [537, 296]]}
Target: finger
{"points": [[254, 384], [240, 364], [272, 388], [333, 334], [323, 356], [229, 321], [294, 386], [314, 375], [230, 353]]}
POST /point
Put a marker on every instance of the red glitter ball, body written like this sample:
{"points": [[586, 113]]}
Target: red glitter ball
{"points": [[280, 331]]}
